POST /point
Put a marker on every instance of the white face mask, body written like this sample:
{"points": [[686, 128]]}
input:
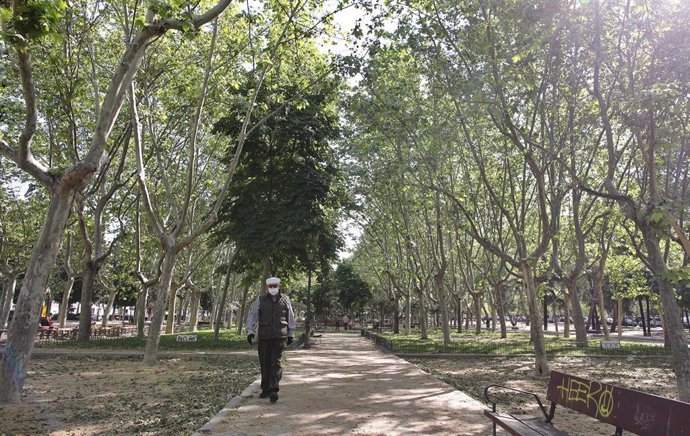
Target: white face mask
{"points": [[273, 291]]}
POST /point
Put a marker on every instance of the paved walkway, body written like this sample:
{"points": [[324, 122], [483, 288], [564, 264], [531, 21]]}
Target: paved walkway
{"points": [[345, 385]]}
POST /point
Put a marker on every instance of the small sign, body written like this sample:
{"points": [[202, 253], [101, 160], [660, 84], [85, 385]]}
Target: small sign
{"points": [[611, 345], [186, 338]]}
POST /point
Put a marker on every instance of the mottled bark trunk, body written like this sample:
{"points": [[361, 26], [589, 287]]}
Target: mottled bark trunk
{"points": [[443, 305], [566, 312], [194, 310], [20, 338], [578, 318], [243, 307], [423, 319], [459, 315], [619, 319], [599, 292], [408, 314], [171, 299], [90, 272], [140, 310], [500, 309], [541, 365], [10, 285], [220, 316], [396, 314], [477, 314], [168, 267], [64, 304], [180, 311], [674, 326], [109, 308]]}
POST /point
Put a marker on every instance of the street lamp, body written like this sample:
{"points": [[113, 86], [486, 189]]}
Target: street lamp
{"points": [[307, 321]]}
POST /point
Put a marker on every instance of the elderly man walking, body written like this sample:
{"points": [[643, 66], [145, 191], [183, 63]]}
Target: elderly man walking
{"points": [[272, 311]]}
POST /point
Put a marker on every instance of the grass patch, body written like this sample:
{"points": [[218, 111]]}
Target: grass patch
{"points": [[227, 340], [515, 343]]}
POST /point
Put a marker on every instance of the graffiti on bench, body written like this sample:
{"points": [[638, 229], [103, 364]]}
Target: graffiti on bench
{"points": [[632, 410], [595, 396], [185, 338]]}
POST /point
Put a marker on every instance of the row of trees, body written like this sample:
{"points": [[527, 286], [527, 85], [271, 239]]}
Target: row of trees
{"points": [[129, 129], [500, 151]]}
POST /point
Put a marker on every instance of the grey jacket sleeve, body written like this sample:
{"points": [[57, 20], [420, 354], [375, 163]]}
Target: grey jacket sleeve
{"points": [[253, 317]]}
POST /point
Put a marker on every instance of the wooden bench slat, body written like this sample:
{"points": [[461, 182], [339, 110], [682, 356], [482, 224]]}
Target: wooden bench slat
{"points": [[523, 425]]}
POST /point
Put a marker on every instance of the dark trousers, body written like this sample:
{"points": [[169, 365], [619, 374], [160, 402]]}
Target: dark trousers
{"points": [[270, 353]]}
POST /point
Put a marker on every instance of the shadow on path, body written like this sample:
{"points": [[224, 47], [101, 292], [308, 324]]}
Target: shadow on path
{"points": [[345, 385]]}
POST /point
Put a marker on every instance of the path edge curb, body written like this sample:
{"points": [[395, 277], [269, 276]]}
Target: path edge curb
{"points": [[232, 404]]}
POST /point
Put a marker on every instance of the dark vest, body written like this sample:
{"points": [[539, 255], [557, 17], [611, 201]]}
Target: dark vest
{"points": [[273, 317]]}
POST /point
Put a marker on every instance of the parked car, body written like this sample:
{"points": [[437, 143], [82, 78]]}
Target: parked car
{"points": [[629, 322], [655, 321]]}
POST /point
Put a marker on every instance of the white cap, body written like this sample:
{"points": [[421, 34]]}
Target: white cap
{"points": [[273, 281]]}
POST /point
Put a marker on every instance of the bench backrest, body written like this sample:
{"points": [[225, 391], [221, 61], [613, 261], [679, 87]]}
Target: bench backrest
{"points": [[633, 411]]}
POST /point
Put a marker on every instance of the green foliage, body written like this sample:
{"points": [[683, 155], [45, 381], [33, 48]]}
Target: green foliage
{"points": [[286, 186], [32, 19], [353, 292]]}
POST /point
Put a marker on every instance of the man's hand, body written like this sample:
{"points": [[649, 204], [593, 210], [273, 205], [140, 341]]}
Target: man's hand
{"points": [[290, 339], [250, 338]]}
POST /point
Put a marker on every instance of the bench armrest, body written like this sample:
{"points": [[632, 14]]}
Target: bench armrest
{"points": [[547, 415]]}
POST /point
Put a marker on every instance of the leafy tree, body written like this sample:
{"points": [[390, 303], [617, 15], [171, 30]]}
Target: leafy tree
{"points": [[354, 293], [287, 187]]}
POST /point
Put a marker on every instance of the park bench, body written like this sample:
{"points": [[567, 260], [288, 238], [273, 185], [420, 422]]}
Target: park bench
{"points": [[625, 409]]}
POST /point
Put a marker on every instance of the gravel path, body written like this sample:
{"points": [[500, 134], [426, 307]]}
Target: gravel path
{"points": [[345, 385]]}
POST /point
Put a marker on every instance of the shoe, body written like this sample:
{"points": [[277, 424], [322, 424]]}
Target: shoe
{"points": [[274, 397], [264, 394]]}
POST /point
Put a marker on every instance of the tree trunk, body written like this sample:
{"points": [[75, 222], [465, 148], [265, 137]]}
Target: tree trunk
{"points": [[408, 314], [194, 310], [90, 272], [109, 308], [642, 317], [243, 306], [220, 317], [674, 326], [619, 319], [141, 310], [500, 308], [459, 314], [541, 364], [396, 314], [171, 300], [168, 267], [180, 315], [10, 284], [477, 314], [443, 305], [566, 313], [599, 292], [22, 331], [423, 321], [64, 305], [578, 319]]}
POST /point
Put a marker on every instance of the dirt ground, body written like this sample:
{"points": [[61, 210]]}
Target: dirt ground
{"points": [[117, 395], [471, 375]]}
